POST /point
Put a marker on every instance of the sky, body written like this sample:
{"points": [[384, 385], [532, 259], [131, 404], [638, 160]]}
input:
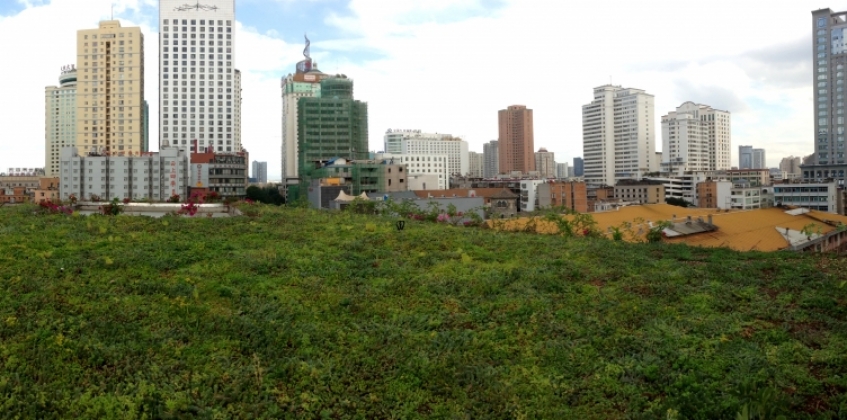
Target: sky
{"points": [[448, 66]]}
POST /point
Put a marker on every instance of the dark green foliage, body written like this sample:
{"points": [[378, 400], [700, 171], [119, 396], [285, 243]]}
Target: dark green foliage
{"points": [[266, 195], [294, 313], [679, 202]]}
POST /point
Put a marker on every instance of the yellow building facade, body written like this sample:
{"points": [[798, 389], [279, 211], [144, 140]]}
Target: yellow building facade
{"points": [[110, 90]]}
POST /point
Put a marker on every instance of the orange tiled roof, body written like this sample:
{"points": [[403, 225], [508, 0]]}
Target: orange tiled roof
{"points": [[739, 230], [757, 229]]}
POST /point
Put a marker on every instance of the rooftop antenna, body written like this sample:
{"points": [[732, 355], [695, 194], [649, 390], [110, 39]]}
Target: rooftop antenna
{"points": [[113, 12]]}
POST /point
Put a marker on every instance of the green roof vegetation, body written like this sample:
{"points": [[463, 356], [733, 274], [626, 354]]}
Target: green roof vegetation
{"points": [[295, 313]]}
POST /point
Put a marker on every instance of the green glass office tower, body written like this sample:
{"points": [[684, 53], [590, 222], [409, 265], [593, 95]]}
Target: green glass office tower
{"points": [[332, 125]]}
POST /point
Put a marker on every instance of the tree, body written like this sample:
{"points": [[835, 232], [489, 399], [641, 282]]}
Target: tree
{"points": [[679, 202], [256, 194]]}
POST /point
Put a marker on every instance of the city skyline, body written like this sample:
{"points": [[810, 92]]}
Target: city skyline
{"points": [[764, 79]]}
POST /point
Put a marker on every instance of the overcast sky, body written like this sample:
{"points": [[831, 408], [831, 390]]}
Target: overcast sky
{"points": [[448, 66]]}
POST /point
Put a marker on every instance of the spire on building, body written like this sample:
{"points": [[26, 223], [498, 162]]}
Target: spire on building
{"points": [[306, 65]]}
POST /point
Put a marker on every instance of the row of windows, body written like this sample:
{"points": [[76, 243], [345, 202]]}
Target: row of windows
{"points": [[194, 22], [120, 35]]}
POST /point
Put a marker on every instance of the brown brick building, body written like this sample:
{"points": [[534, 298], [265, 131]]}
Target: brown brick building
{"points": [[571, 195], [516, 142]]}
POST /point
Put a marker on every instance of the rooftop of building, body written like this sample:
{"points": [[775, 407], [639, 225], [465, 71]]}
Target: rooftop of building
{"points": [[749, 230]]}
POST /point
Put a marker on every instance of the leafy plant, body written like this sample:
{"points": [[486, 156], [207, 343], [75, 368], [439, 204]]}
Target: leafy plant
{"points": [[656, 233], [113, 208]]}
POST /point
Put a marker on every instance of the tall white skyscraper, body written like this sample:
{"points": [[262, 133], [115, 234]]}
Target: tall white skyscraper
{"points": [[696, 137], [199, 92], [59, 119], [618, 138]]}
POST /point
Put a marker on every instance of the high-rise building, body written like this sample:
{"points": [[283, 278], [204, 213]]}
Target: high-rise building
{"points": [[517, 139], [236, 113], [304, 83], [578, 166], [331, 126], [476, 164], [199, 96], [696, 137], [60, 119], [750, 158], [545, 163], [492, 159], [562, 170], [791, 165], [829, 46], [110, 89], [745, 157], [260, 172], [618, 138], [759, 161]]}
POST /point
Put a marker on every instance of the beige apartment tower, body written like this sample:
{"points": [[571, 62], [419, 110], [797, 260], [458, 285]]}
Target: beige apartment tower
{"points": [[110, 90], [517, 141], [545, 163]]}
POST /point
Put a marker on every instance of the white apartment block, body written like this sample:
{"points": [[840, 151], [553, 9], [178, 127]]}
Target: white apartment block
{"points": [[199, 87], [696, 137], [59, 119], [110, 89], [423, 164], [476, 162], [455, 148], [154, 176], [619, 140], [529, 194], [545, 163]]}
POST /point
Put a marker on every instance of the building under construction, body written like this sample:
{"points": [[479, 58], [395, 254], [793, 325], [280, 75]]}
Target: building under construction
{"points": [[330, 126]]}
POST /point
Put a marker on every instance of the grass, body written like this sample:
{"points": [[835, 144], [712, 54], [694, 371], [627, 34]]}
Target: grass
{"points": [[293, 313]]}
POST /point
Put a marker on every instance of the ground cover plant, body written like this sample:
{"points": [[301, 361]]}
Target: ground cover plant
{"points": [[294, 313]]}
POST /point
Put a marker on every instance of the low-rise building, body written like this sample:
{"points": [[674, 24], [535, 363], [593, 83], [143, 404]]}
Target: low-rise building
{"points": [[640, 192], [713, 194], [814, 196], [223, 173], [749, 177], [354, 178], [746, 198], [13, 195], [419, 182], [529, 194], [570, 195], [497, 201], [153, 176], [423, 164], [48, 190]]}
